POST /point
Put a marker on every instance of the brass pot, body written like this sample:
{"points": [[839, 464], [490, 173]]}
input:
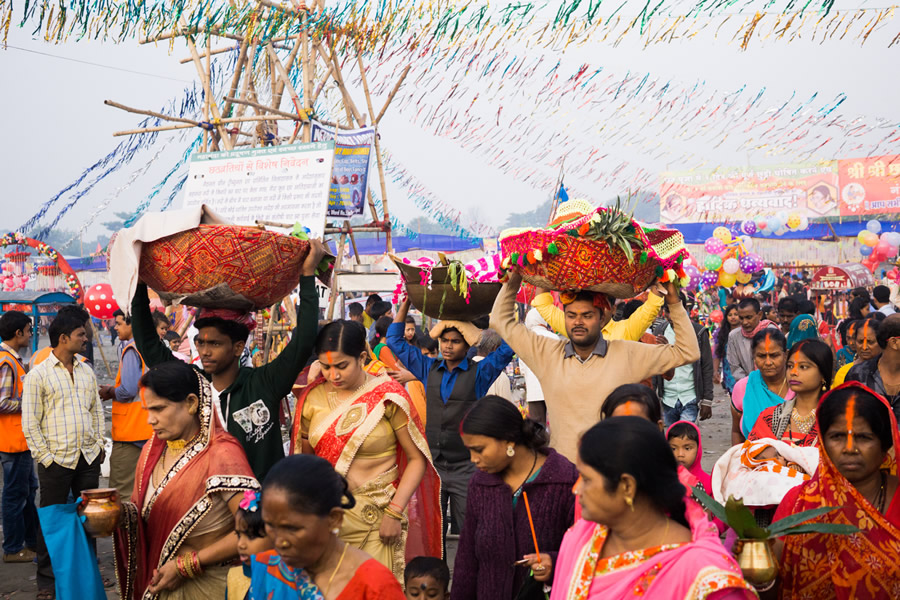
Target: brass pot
{"points": [[756, 562], [102, 510]]}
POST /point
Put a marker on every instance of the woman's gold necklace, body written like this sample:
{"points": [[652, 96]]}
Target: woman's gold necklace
{"points": [[800, 423], [336, 569]]}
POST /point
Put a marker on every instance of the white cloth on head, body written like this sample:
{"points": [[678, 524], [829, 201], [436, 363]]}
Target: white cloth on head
{"points": [[125, 253], [758, 487], [536, 323]]}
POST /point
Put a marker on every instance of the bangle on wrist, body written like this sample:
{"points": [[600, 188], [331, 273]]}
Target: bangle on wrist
{"points": [[393, 514]]}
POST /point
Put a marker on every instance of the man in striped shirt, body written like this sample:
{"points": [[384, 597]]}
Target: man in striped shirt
{"points": [[62, 419]]}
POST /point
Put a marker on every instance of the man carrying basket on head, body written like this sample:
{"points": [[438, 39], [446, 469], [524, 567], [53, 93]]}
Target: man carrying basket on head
{"points": [[579, 373], [247, 400]]}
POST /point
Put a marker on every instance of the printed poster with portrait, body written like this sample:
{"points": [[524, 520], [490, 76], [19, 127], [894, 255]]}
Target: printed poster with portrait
{"points": [[723, 194], [870, 185], [350, 174]]}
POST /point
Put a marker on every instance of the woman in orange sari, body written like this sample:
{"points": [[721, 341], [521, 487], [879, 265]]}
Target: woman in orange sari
{"points": [[858, 473], [395, 368], [365, 427], [179, 531]]}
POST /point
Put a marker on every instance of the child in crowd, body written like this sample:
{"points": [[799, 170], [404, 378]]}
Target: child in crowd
{"points": [[251, 539], [684, 439], [427, 578]]}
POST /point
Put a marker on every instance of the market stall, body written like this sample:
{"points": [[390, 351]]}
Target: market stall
{"points": [[36, 303]]}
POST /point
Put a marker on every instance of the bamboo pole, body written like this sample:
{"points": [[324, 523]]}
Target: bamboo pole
{"points": [[245, 119], [245, 86], [268, 347], [321, 85], [235, 79], [337, 265], [390, 97], [339, 79], [353, 242], [257, 105], [149, 113], [292, 56], [207, 89], [304, 74], [100, 347], [384, 197], [328, 230]]}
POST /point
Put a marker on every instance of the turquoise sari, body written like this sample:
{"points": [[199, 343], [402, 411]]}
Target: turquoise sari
{"points": [[757, 398], [271, 579], [803, 327]]}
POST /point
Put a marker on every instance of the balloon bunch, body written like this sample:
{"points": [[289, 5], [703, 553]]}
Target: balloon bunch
{"points": [[877, 248], [777, 224], [11, 279], [729, 260]]}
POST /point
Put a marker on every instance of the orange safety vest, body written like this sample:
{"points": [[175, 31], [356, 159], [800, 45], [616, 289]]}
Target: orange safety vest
{"points": [[11, 437], [129, 419], [42, 354]]}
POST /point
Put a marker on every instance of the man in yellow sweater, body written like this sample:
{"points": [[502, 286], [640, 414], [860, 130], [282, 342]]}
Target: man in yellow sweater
{"points": [[577, 375]]}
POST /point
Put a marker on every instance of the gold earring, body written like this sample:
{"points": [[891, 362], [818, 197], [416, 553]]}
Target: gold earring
{"points": [[510, 451], [630, 503]]}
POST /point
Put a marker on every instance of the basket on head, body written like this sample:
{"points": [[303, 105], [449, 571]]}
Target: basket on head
{"points": [[224, 266], [438, 299], [566, 257]]}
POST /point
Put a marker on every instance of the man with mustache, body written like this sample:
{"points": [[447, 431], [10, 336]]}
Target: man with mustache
{"points": [[578, 374]]}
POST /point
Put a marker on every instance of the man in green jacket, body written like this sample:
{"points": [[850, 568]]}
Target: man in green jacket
{"points": [[249, 398]]}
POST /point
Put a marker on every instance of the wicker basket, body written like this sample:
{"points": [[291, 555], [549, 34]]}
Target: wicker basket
{"points": [[578, 263], [223, 266], [442, 301]]}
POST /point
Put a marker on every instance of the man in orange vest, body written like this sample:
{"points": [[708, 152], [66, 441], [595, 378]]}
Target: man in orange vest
{"points": [[20, 520], [130, 429]]}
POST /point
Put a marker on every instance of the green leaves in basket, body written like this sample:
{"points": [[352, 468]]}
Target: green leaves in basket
{"points": [[793, 524], [738, 517], [613, 226], [456, 273]]}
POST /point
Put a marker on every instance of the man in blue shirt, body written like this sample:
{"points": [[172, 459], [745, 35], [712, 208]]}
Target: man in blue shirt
{"points": [[452, 385]]}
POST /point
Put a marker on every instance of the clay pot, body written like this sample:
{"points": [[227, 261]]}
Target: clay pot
{"points": [[102, 510], [756, 562]]}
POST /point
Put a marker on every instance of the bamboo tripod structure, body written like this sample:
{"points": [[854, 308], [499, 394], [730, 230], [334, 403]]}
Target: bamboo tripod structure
{"points": [[259, 83]]}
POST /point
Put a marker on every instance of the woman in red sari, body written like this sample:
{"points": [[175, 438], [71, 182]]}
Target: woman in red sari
{"points": [[858, 473], [809, 368], [189, 481], [365, 427]]}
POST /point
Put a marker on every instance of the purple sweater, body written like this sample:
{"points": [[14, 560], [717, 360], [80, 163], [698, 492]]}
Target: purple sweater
{"points": [[495, 535]]}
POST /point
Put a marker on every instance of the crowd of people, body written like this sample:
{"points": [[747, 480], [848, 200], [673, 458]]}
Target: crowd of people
{"points": [[400, 438]]}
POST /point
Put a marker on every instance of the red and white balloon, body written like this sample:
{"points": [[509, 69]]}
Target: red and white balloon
{"points": [[99, 301]]}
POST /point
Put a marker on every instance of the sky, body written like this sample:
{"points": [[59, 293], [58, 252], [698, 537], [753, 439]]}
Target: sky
{"points": [[56, 125]]}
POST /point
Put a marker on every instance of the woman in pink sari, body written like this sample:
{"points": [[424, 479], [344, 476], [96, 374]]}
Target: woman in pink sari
{"points": [[637, 538]]}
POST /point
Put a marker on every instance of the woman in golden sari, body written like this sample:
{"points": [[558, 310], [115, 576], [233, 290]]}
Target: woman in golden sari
{"points": [[191, 476], [365, 427]]}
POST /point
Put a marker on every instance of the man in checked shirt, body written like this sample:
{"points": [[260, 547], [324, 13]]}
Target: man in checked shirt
{"points": [[62, 419]]}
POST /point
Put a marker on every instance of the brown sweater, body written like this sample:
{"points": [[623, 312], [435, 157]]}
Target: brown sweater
{"points": [[575, 391]]}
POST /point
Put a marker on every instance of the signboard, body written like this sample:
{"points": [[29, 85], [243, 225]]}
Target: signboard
{"points": [[809, 189], [350, 176], [842, 278], [285, 184], [870, 185]]}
